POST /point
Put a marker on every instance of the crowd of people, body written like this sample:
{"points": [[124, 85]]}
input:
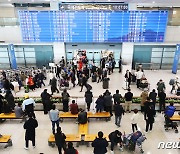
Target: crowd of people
{"points": [[61, 75]]}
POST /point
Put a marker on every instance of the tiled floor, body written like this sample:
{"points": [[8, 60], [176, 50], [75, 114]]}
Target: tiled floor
{"points": [[15, 128]]}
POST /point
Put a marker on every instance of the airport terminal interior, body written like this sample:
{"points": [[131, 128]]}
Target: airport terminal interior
{"points": [[84, 51]]}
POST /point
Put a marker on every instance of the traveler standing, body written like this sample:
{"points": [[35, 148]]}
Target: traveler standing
{"points": [[128, 100], [149, 117], [160, 86], [54, 117], [128, 77], [30, 125], [65, 100], [60, 140], [139, 74], [88, 98], [162, 99], [117, 97], [118, 111], [143, 96], [99, 104], [10, 99], [153, 96], [100, 144], [134, 120], [108, 103], [45, 96]]}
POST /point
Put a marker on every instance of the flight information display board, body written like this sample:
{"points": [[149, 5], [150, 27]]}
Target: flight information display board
{"points": [[93, 26]]}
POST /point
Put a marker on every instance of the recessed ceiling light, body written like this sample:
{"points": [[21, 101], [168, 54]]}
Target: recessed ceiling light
{"points": [[153, 2], [9, 0]]}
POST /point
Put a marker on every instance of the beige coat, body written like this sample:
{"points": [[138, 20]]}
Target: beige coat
{"points": [[143, 96]]}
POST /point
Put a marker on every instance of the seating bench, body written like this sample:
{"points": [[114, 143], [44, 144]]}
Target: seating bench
{"points": [[6, 139], [9, 116], [69, 138], [105, 115], [83, 129], [175, 118], [91, 137]]}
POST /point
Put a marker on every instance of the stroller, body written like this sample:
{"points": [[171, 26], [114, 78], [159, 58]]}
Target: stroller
{"points": [[144, 84], [131, 140], [169, 123]]}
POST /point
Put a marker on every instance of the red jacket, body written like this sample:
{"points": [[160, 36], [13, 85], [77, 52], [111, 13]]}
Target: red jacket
{"points": [[74, 108]]}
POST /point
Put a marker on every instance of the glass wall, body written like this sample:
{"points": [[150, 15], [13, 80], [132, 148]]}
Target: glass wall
{"points": [[158, 57], [27, 55]]}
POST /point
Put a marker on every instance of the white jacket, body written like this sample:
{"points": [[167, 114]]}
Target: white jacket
{"points": [[134, 118], [139, 74]]}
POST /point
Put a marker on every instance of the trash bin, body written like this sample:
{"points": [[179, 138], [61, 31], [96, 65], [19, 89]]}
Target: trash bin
{"points": [[106, 83]]}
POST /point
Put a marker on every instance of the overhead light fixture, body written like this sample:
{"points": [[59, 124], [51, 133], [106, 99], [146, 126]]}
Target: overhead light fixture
{"points": [[9, 0], [153, 2]]}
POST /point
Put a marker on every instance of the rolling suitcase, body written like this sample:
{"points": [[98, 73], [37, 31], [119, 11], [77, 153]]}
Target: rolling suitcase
{"points": [[106, 83], [94, 78]]}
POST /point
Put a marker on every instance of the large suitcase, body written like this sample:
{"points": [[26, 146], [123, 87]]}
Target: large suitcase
{"points": [[94, 78], [105, 83]]}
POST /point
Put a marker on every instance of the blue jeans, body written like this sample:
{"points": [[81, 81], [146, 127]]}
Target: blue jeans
{"points": [[118, 120], [53, 125]]}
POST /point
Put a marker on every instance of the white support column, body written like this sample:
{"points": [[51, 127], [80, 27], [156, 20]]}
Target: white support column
{"points": [[127, 55], [59, 51]]}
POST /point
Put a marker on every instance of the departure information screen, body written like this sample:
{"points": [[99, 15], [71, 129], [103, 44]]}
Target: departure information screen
{"points": [[93, 26]]}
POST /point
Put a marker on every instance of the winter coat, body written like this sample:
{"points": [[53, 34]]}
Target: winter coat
{"points": [[30, 126], [108, 100], [88, 96], [144, 96], [100, 145], [60, 139]]}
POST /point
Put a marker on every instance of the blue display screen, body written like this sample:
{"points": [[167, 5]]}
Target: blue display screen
{"points": [[93, 26]]}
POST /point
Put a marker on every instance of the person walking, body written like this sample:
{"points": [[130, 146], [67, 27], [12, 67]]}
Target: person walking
{"points": [[54, 85], [88, 98], [134, 120], [100, 144], [149, 117], [119, 111], [30, 125], [73, 78], [162, 99], [84, 82], [54, 117], [60, 140], [45, 96], [65, 100], [117, 97], [128, 100], [174, 84]]}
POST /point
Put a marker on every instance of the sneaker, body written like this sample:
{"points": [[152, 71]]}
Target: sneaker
{"points": [[121, 149], [112, 152], [150, 131], [34, 146], [25, 148]]}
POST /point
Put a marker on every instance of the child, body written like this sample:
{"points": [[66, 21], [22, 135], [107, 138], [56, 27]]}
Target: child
{"points": [[134, 120]]}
